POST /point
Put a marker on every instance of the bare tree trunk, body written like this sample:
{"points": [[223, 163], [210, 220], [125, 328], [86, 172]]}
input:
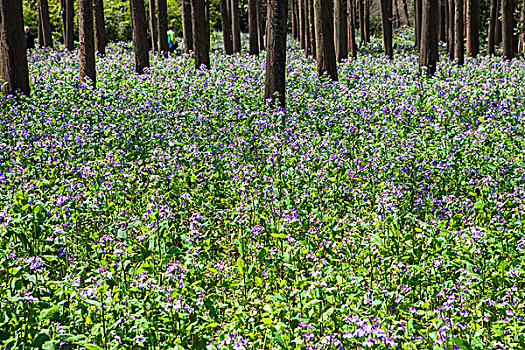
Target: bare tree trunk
{"points": [[236, 27], [341, 30], [367, 21], [13, 56], [261, 26], [442, 24], [200, 37], [405, 9], [86, 40], [310, 18], [307, 31], [253, 27], [302, 24], [417, 22], [459, 46], [293, 4], [362, 20], [152, 26], [498, 36], [451, 22], [507, 26], [324, 40], [397, 17], [162, 25], [352, 47], [521, 46], [187, 27], [140, 36], [386, 20], [226, 27], [492, 27], [69, 39], [47, 37], [100, 26], [473, 28], [276, 56], [428, 51]]}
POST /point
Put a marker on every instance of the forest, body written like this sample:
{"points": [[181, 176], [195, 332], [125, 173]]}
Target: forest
{"points": [[262, 174]]}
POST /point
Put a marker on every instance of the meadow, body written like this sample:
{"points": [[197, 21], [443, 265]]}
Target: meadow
{"points": [[176, 210]]}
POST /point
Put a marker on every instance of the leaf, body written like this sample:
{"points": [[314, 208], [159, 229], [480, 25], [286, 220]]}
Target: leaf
{"points": [[93, 302], [48, 313], [93, 347], [241, 265]]}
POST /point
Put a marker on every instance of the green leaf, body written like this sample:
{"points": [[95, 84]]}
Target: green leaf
{"points": [[48, 313], [93, 347], [241, 265]]}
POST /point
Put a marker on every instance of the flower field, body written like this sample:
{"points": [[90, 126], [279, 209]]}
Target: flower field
{"points": [[175, 210]]}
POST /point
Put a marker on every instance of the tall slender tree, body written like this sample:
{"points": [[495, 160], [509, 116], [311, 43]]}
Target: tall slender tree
{"points": [[100, 26], [302, 24], [43, 14], [473, 28], [340, 29], [307, 32], [253, 28], [14, 74], [260, 26], [275, 86], [153, 25], [362, 35], [352, 47], [200, 37], [236, 26], [187, 26], [226, 26], [139, 34], [162, 26], [386, 20], [310, 18], [417, 21], [442, 20], [324, 40], [405, 10], [497, 32], [293, 5], [492, 27], [459, 45], [507, 28], [86, 40], [428, 51], [451, 21], [69, 16]]}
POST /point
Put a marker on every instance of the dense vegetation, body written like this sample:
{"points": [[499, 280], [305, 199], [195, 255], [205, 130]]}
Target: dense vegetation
{"points": [[174, 210]]}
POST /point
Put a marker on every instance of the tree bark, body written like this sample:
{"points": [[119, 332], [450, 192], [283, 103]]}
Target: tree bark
{"points": [[253, 28], [507, 28], [324, 40], [386, 20], [86, 40], [428, 51], [69, 39], [405, 9], [310, 18], [367, 21], [100, 26], [226, 27], [162, 26], [492, 27], [341, 30], [140, 38], [417, 21], [260, 28], [187, 26], [236, 27], [152, 26], [276, 56], [47, 36], [293, 4], [473, 28], [362, 20], [200, 37], [442, 21], [459, 46], [307, 31], [352, 47], [13, 56], [497, 32], [521, 46], [302, 24], [451, 22]]}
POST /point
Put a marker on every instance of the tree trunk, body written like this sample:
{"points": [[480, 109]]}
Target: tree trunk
{"points": [[442, 21], [428, 51], [417, 22], [507, 28], [236, 27], [307, 31], [341, 30], [152, 26], [386, 20], [362, 20], [497, 32], [13, 56], [310, 18], [459, 46], [47, 37], [521, 46], [276, 56], [367, 21], [200, 37], [260, 26], [69, 16], [397, 19], [187, 27], [324, 40], [140, 36], [293, 4], [226, 27], [86, 40], [100, 27], [253, 28], [451, 22], [473, 28], [302, 24], [492, 27], [352, 47], [162, 26], [405, 9]]}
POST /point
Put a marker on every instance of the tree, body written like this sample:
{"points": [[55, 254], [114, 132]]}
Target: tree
{"points": [[45, 24], [14, 74], [152, 26], [442, 20], [260, 28], [274, 88], [69, 16], [162, 25], [324, 40], [226, 27], [459, 46], [428, 51], [253, 27], [307, 32], [236, 26], [87, 40], [451, 37], [417, 21], [139, 34], [473, 28], [340, 29], [352, 47], [100, 27], [302, 24], [187, 26], [507, 28], [386, 20], [492, 27], [200, 37], [310, 18]]}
